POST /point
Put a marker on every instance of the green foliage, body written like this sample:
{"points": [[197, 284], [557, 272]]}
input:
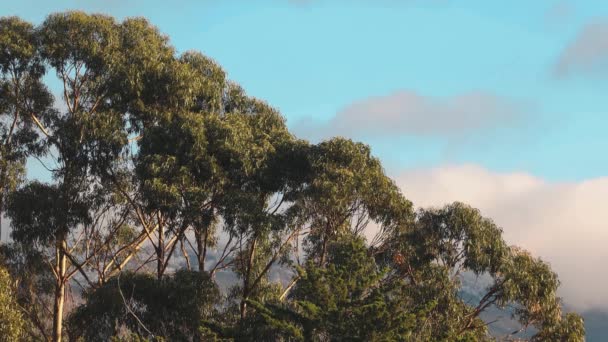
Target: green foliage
{"points": [[208, 82], [41, 212], [569, 328], [23, 99], [172, 308], [23, 93], [448, 242], [346, 188], [458, 236], [11, 320], [33, 285], [13, 175], [347, 299], [132, 337]]}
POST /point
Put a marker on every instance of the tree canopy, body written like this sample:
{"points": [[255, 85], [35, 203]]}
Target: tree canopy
{"points": [[180, 208]]}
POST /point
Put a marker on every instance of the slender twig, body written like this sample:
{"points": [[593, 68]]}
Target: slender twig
{"points": [[129, 307]]}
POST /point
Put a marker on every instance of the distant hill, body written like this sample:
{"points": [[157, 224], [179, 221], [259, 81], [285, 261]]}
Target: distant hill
{"points": [[596, 325]]}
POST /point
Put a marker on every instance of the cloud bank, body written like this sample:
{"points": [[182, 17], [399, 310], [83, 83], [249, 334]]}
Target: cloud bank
{"points": [[587, 53], [409, 113], [566, 224]]}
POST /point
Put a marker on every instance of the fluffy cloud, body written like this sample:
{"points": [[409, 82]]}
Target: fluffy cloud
{"points": [[587, 53], [566, 224], [409, 113]]}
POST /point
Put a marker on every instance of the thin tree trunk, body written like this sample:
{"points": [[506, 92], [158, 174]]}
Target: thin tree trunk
{"points": [[204, 257], [288, 288], [181, 247], [160, 252], [1, 210], [323, 251], [247, 280], [201, 247], [325, 238], [3, 187], [199, 250], [59, 290]]}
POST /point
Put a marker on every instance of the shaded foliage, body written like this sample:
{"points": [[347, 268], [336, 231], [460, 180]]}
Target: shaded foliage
{"points": [[133, 303], [11, 320]]}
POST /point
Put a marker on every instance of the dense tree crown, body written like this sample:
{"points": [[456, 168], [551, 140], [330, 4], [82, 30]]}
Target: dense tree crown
{"points": [[182, 209]]}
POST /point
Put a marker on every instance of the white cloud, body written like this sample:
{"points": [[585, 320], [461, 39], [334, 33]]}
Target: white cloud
{"points": [[566, 224], [587, 53], [409, 113]]}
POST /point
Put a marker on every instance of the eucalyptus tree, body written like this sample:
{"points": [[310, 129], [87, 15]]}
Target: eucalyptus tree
{"points": [[148, 85], [88, 136], [225, 168], [256, 212], [24, 102], [346, 299], [183, 181], [454, 241], [329, 194], [120, 83], [222, 166], [346, 189], [410, 289], [178, 182]]}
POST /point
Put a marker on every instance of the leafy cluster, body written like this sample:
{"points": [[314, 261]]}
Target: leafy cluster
{"points": [[11, 320]]}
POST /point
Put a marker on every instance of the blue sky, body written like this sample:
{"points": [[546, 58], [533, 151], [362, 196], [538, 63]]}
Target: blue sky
{"points": [[312, 59]]}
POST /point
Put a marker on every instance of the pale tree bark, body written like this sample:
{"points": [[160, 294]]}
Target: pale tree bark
{"points": [[60, 276], [251, 281]]}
